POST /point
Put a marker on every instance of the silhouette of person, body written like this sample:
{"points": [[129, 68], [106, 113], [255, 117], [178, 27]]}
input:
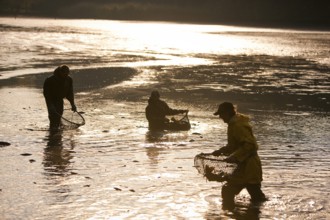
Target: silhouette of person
{"points": [[157, 110], [241, 149], [55, 89]]}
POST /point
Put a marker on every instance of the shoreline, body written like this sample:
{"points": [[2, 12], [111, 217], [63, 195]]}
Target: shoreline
{"points": [[83, 79], [300, 26]]}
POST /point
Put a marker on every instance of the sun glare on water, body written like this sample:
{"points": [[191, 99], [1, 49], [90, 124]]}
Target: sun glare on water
{"points": [[171, 38], [100, 43]]}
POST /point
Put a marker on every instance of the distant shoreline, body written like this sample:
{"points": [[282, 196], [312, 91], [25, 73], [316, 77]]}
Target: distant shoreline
{"points": [[277, 25]]}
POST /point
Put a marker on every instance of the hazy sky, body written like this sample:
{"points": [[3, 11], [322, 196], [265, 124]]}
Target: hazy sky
{"points": [[290, 12]]}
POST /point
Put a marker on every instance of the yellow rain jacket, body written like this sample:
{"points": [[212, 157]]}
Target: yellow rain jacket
{"points": [[242, 147]]}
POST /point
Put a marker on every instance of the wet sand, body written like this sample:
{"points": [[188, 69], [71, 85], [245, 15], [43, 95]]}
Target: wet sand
{"points": [[113, 168]]}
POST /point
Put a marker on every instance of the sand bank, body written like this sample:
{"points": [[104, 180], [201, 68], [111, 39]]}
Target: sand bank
{"points": [[84, 79]]}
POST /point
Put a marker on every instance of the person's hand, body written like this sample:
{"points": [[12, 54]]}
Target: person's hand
{"points": [[208, 170], [73, 108], [231, 160], [208, 173], [217, 152]]}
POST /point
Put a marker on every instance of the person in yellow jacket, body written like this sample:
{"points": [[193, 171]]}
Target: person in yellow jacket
{"points": [[241, 149]]}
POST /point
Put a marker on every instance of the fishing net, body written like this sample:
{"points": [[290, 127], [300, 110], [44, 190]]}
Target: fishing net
{"points": [[181, 124], [71, 119], [214, 168]]}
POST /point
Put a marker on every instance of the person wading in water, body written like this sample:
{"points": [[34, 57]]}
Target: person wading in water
{"points": [[55, 89], [242, 150], [157, 110]]}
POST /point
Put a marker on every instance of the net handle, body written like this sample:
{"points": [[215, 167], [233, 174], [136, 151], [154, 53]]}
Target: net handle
{"points": [[184, 116]]}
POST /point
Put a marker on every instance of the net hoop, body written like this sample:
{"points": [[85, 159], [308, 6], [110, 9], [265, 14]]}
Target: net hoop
{"points": [[71, 119], [214, 168], [182, 124], [75, 123]]}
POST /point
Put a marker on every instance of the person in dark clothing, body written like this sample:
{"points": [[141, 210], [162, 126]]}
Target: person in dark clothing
{"points": [[55, 89], [157, 110], [241, 149]]}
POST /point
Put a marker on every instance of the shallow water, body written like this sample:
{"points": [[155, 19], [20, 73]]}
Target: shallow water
{"points": [[113, 168]]}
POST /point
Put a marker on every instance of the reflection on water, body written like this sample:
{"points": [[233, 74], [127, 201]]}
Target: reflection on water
{"points": [[154, 136], [165, 136], [158, 141], [242, 211], [57, 159], [57, 165]]}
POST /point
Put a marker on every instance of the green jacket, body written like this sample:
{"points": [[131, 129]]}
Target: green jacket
{"points": [[242, 147]]}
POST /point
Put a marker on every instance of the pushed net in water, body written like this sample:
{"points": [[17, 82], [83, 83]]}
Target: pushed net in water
{"points": [[214, 168], [182, 124], [71, 120]]}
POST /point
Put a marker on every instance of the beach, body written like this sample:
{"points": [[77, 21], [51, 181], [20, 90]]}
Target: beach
{"points": [[113, 167]]}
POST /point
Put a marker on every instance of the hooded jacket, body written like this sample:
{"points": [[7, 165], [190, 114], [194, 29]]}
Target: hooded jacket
{"points": [[56, 88], [156, 112], [242, 147]]}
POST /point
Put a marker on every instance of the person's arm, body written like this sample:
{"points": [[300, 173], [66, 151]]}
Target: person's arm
{"points": [[70, 95], [225, 150], [170, 111]]}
